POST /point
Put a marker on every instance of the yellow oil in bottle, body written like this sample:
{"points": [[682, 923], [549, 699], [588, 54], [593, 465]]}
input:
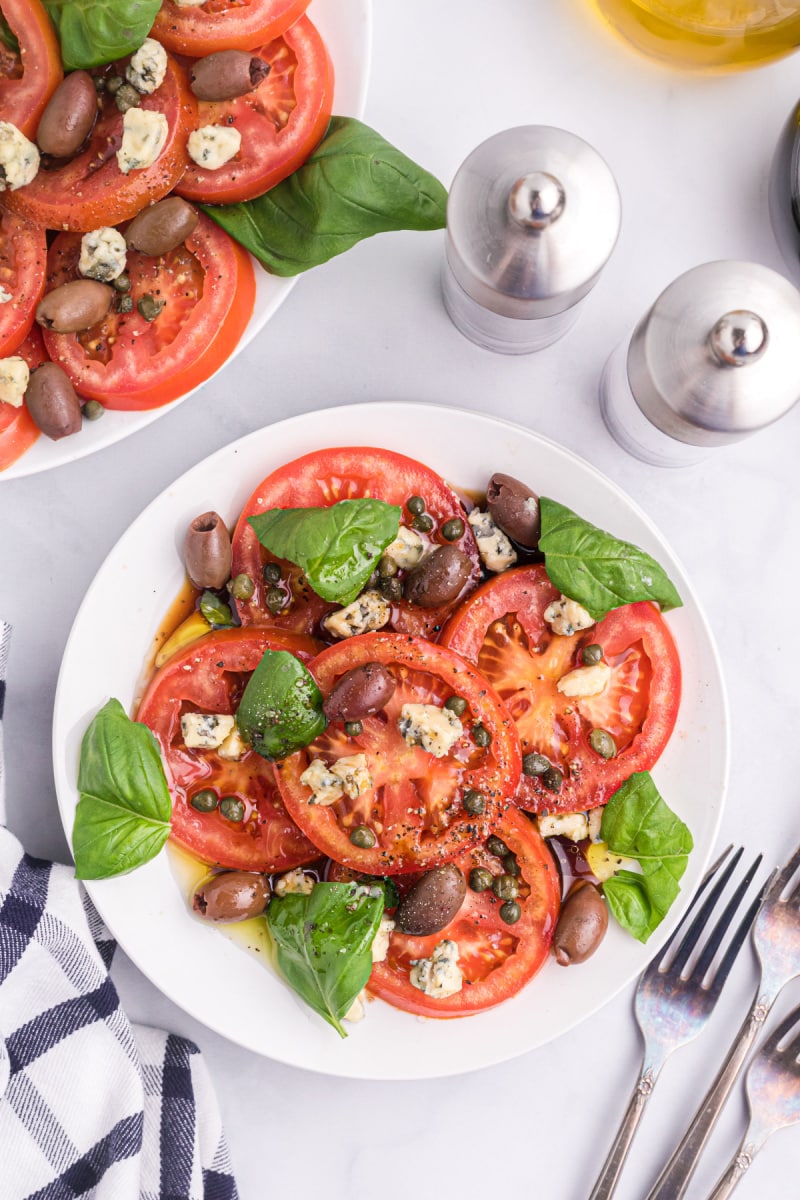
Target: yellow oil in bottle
{"points": [[717, 35]]}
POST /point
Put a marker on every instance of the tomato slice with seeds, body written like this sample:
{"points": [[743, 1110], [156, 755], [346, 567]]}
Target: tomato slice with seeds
{"points": [[321, 479], [502, 629], [23, 256], [280, 122], [207, 286], [496, 959], [30, 75], [415, 805], [17, 429], [210, 677], [224, 24]]}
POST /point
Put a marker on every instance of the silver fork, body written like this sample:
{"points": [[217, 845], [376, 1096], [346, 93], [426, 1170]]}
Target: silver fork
{"points": [[776, 937], [773, 1097], [672, 1004]]}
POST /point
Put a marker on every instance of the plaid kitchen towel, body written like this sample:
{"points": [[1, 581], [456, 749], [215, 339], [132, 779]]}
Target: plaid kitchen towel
{"points": [[90, 1105]]}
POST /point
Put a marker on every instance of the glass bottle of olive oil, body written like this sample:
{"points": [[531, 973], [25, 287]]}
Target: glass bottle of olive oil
{"points": [[716, 35]]}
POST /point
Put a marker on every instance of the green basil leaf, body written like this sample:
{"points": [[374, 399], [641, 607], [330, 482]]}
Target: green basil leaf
{"points": [[353, 186], [638, 823], [281, 708], [324, 943], [93, 32], [7, 36], [215, 612], [596, 569], [123, 815], [338, 547]]}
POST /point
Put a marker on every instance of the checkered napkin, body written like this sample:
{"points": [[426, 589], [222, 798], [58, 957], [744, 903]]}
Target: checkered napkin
{"points": [[90, 1105]]}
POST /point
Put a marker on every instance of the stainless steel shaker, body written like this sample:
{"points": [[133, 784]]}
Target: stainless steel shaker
{"points": [[711, 362], [532, 218]]}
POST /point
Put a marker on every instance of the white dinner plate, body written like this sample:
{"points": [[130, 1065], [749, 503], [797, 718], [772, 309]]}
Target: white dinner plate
{"points": [[236, 993], [346, 26]]}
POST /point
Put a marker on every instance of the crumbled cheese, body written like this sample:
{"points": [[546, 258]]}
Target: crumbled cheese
{"points": [[294, 883], [435, 729], [595, 819], [19, 158], [4, 295], [211, 146], [14, 376], [440, 975], [147, 67], [495, 549], [356, 1012], [354, 775], [380, 946], [603, 864], [406, 550], [370, 611], [205, 731], [234, 747], [566, 616], [103, 254], [572, 825], [144, 136], [585, 681], [326, 786], [189, 3]]}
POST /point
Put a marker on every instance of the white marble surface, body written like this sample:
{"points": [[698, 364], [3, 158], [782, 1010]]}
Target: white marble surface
{"points": [[691, 156]]}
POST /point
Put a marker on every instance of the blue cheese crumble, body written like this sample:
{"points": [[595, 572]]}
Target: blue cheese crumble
{"points": [[19, 158], [353, 775], [496, 551], [585, 681], [205, 731], [434, 729], [148, 67], [103, 254], [326, 788], [566, 617], [144, 136], [211, 146], [440, 975], [370, 611], [14, 377]]}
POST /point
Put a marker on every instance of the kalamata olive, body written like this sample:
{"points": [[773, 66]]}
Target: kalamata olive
{"points": [[69, 116], [227, 74], [433, 901], [52, 403], [75, 306], [439, 577], [582, 924], [161, 227], [232, 896], [207, 551], [360, 692], [515, 508]]}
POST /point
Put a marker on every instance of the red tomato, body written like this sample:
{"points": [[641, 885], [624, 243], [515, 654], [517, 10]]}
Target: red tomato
{"points": [[17, 430], [28, 79], [502, 629], [224, 24], [90, 190], [495, 958], [415, 805], [280, 122], [23, 254], [321, 479], [210, 676], [127, 362]]}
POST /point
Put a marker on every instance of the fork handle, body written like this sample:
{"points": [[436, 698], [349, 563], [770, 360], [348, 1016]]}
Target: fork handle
{"points": [[739, 1165], [607, 1179], [674, 1178]]}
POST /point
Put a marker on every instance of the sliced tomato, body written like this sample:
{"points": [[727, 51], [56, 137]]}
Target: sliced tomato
{"points": [[23, 256], [210, 677], [280, 122], [502, 629], [224, 24], [28, 77], [321, 479], [17, 430], [496, 959], [415, 805], [90, 190], [207, 286]]}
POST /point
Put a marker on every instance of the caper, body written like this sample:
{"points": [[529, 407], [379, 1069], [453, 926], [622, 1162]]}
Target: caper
{"points": [[149, 307], [353, 728], [481, 736], [511, 865], [456, 704], [510, 912], [391, 589], [275, 599], [415, 505], [387, 568], [480, 879], [453, 529], [497, 846], [93, 410], [127, 97], [505, 887], [242, 587], [114, 83], [552, 779], [423, 523], [124, 304], [363, 837], [99, 84], [602, 743], [474, 802], [122, 283], [592, 655], [535, 764], [232, 808], [271, 573], [205, 800]]}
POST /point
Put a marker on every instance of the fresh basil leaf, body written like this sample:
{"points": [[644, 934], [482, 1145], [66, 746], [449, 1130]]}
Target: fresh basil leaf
{"points": [[324, 943], [638, 823], [596, 569], [337, 547], [93, 32], [215, 612], [123, 815], [281, 708], [7, 36], [353, 186]]}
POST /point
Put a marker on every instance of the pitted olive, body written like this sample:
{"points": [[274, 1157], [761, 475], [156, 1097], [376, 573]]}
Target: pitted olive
{"points": [[161, 227], [52, 403], [360, 693], [232, 896], [433, 901], [207, 551], [515, 508], [582, 924], [75, 306], [227, 74], [69, 116], [439, 578]]}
